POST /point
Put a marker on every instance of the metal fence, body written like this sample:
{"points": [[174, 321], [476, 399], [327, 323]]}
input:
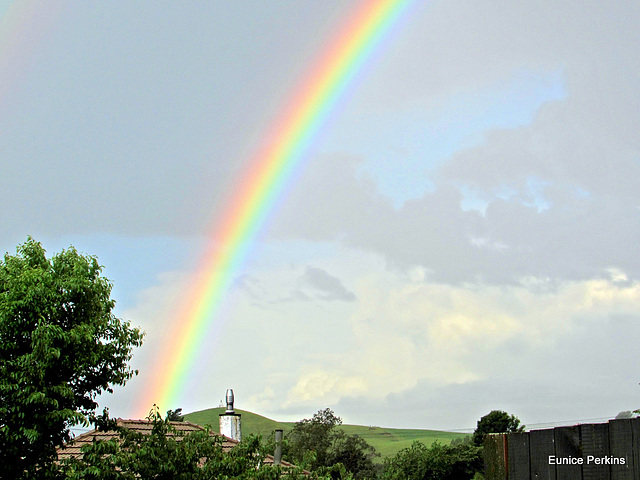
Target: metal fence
{"points": [[600, 451]]}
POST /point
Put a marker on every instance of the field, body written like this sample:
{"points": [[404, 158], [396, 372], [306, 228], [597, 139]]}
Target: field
{"points": [[387, 441]]}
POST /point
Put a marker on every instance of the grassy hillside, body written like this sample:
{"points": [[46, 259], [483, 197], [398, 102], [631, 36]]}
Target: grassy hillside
{"points": [[387, 441], [252, 423]]}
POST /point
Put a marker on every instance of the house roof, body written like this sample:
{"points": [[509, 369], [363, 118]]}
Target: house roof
{"points": [[74, 448]]}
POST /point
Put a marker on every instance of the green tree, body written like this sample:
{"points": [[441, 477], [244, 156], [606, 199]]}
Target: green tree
{"points": [[354, 453], [496, 421], [313, 435], [626, 414], [175, 415], [436, 462], [165, 454], [317, 444], [60, 347]]}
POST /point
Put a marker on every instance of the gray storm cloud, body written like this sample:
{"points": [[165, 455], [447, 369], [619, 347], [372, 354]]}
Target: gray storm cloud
{"points": [[328, 286]]}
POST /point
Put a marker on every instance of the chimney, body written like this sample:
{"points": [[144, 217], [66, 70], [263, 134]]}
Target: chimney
{"points": [[230, 420], [277, 456]]}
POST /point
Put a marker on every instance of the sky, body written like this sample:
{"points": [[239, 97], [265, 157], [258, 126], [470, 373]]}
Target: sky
{"points": [[460, 237]]}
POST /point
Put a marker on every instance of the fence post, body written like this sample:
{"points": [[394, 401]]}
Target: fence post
{"points": [[495, 456]]}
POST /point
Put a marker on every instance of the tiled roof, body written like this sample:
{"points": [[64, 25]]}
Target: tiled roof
{"points": [[74, 448]]}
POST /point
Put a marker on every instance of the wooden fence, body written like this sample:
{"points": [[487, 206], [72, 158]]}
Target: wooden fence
{"points": [[601, 451]]}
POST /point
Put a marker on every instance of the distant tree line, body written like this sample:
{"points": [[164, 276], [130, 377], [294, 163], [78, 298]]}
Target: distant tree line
{"points": [[317, 445], [462, 460]]}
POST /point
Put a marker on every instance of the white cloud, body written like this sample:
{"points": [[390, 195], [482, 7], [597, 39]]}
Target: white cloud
{"points": [[405, 333], [443, 334]]}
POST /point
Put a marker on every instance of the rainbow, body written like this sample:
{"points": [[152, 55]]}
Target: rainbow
{"points": [[24, 24], [272, 169]]}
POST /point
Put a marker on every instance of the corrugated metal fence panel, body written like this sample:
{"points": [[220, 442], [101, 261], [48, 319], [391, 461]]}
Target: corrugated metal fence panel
{"points": [[621, 446], [495, 467], [518, 456], [595, 443]]}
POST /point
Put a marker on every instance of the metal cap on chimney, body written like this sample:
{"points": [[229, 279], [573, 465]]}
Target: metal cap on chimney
{"points": [[229, 401]]}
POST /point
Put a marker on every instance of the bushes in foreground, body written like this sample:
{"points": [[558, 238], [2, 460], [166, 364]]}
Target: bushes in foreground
{"points": [[436, 462]]}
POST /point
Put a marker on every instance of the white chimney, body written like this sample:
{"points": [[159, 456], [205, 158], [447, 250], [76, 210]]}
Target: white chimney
{"points": [[230, 420]]}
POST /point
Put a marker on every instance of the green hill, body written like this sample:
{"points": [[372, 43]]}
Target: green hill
{"points": [[387, 441], [252, 423]]}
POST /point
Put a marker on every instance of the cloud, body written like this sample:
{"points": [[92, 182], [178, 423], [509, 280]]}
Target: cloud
{"points": [[328, 286], [313, 284], [413, 334], [558, 193], [250, 285], [133, 170], [574, 236], [444, 353]]}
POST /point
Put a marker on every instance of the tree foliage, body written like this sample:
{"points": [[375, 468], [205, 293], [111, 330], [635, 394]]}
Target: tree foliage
{"points": [[496, 421], [313, 435], [175, 415], [166, 454], [436, 462], [354, 453], [60, 346], [317, 444], [626, 414]]}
